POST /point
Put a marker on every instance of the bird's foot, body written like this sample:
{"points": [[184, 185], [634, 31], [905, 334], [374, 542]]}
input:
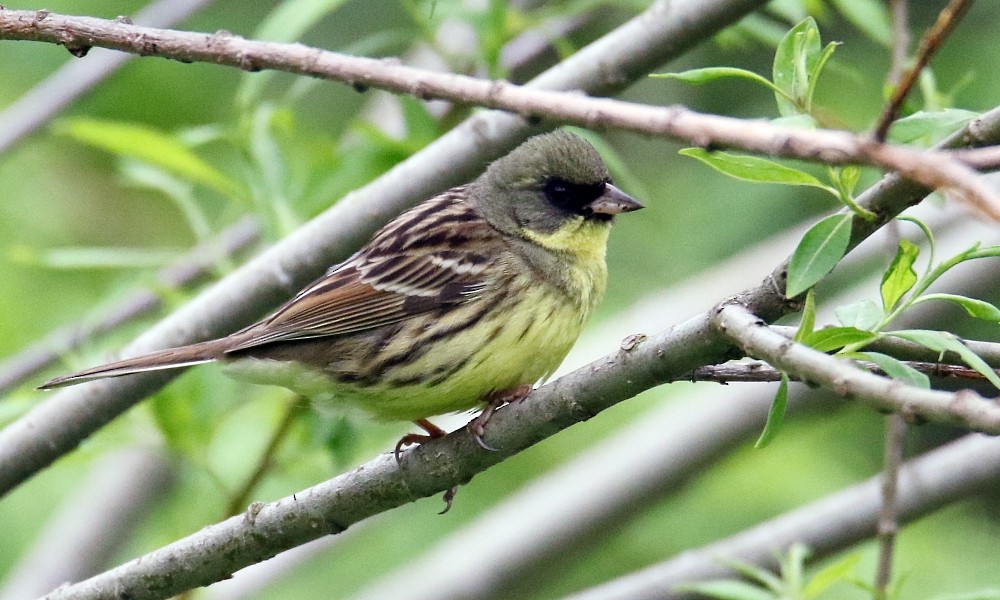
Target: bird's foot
{"points": [[433, 432], [495, 400]]}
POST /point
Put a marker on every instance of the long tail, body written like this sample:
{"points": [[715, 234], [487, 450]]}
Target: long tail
{"points": [[172, 358]]}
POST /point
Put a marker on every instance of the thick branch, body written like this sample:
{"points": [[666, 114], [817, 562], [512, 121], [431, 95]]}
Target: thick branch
{"points": [[931, 169], [382, 484], [963, 408]]}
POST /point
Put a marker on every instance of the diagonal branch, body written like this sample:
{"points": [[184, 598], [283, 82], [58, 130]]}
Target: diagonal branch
{"points": [[947, 19], [963, 408], [934, 170]]}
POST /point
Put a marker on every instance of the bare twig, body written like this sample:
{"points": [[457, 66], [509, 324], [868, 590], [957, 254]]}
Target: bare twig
{"points": [[959, 408], [188, 271], [755, 371], [911, 351], [900, 40], [887, 524], [47, 99], [948, 18], [934, 170]]}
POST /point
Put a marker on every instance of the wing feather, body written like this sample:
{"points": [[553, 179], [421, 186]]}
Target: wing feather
{"points": [[446, 264]]}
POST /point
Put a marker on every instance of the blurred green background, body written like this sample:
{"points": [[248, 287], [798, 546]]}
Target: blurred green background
{"points": [[62, 199]]}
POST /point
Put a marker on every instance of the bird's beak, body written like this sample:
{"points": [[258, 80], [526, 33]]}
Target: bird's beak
{"points": [[614, 201]]}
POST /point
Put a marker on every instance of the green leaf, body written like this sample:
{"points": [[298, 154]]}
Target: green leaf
{"points": [[942, 341], [776, 415], [754, 169], [759, 575], [835, 338], [860, 315], [933, 125], [795, 58], [815, 71], [710, 74], [869, 16], [727, 589], [978, 309], [896, 369], [808, 323], [148, 145], [793, 566], [900, 277], [818, 253], [830, 574]]}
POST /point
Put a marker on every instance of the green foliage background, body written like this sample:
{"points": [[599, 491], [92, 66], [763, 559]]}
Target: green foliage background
{"points": [[58, 194]]}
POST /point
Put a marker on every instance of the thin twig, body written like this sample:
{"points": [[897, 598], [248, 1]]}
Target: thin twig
{"points": [[888, 514], [900, 40], [48, 98], [931, 169], [915, 353], [947, 19], [759, 340], [759, 372]]}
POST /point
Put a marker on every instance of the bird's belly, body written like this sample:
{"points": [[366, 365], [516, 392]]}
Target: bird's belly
{"points": [[505, 351], [502, 350]]}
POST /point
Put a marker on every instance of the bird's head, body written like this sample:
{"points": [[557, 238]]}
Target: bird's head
{"points": [[553, 189]]}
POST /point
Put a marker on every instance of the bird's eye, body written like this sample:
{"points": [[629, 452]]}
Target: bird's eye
{"points": [[572, 197], [557, 192]]}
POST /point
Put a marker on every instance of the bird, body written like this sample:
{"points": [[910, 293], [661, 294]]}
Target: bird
{"points": [[466, 300]]}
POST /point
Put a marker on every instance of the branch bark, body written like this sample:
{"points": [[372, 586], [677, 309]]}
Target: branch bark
{"points": [[932, 169], [964, 408]]}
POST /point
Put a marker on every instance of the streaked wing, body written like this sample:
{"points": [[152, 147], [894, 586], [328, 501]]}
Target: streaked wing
{"points": [[421, 261]]}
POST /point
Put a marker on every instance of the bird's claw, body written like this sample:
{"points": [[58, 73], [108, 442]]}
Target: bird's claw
{"points": [[409, 440], [448, 497]]}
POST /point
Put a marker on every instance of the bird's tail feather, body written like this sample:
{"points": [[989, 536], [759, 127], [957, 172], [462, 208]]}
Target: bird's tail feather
{"points": [[172, 358]]}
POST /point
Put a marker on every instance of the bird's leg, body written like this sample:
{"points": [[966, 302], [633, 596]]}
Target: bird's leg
{"points": [[433, 432], [495, 400]]}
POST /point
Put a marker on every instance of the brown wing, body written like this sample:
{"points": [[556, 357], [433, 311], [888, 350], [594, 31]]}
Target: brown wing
{"points": [[430, 256]]}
